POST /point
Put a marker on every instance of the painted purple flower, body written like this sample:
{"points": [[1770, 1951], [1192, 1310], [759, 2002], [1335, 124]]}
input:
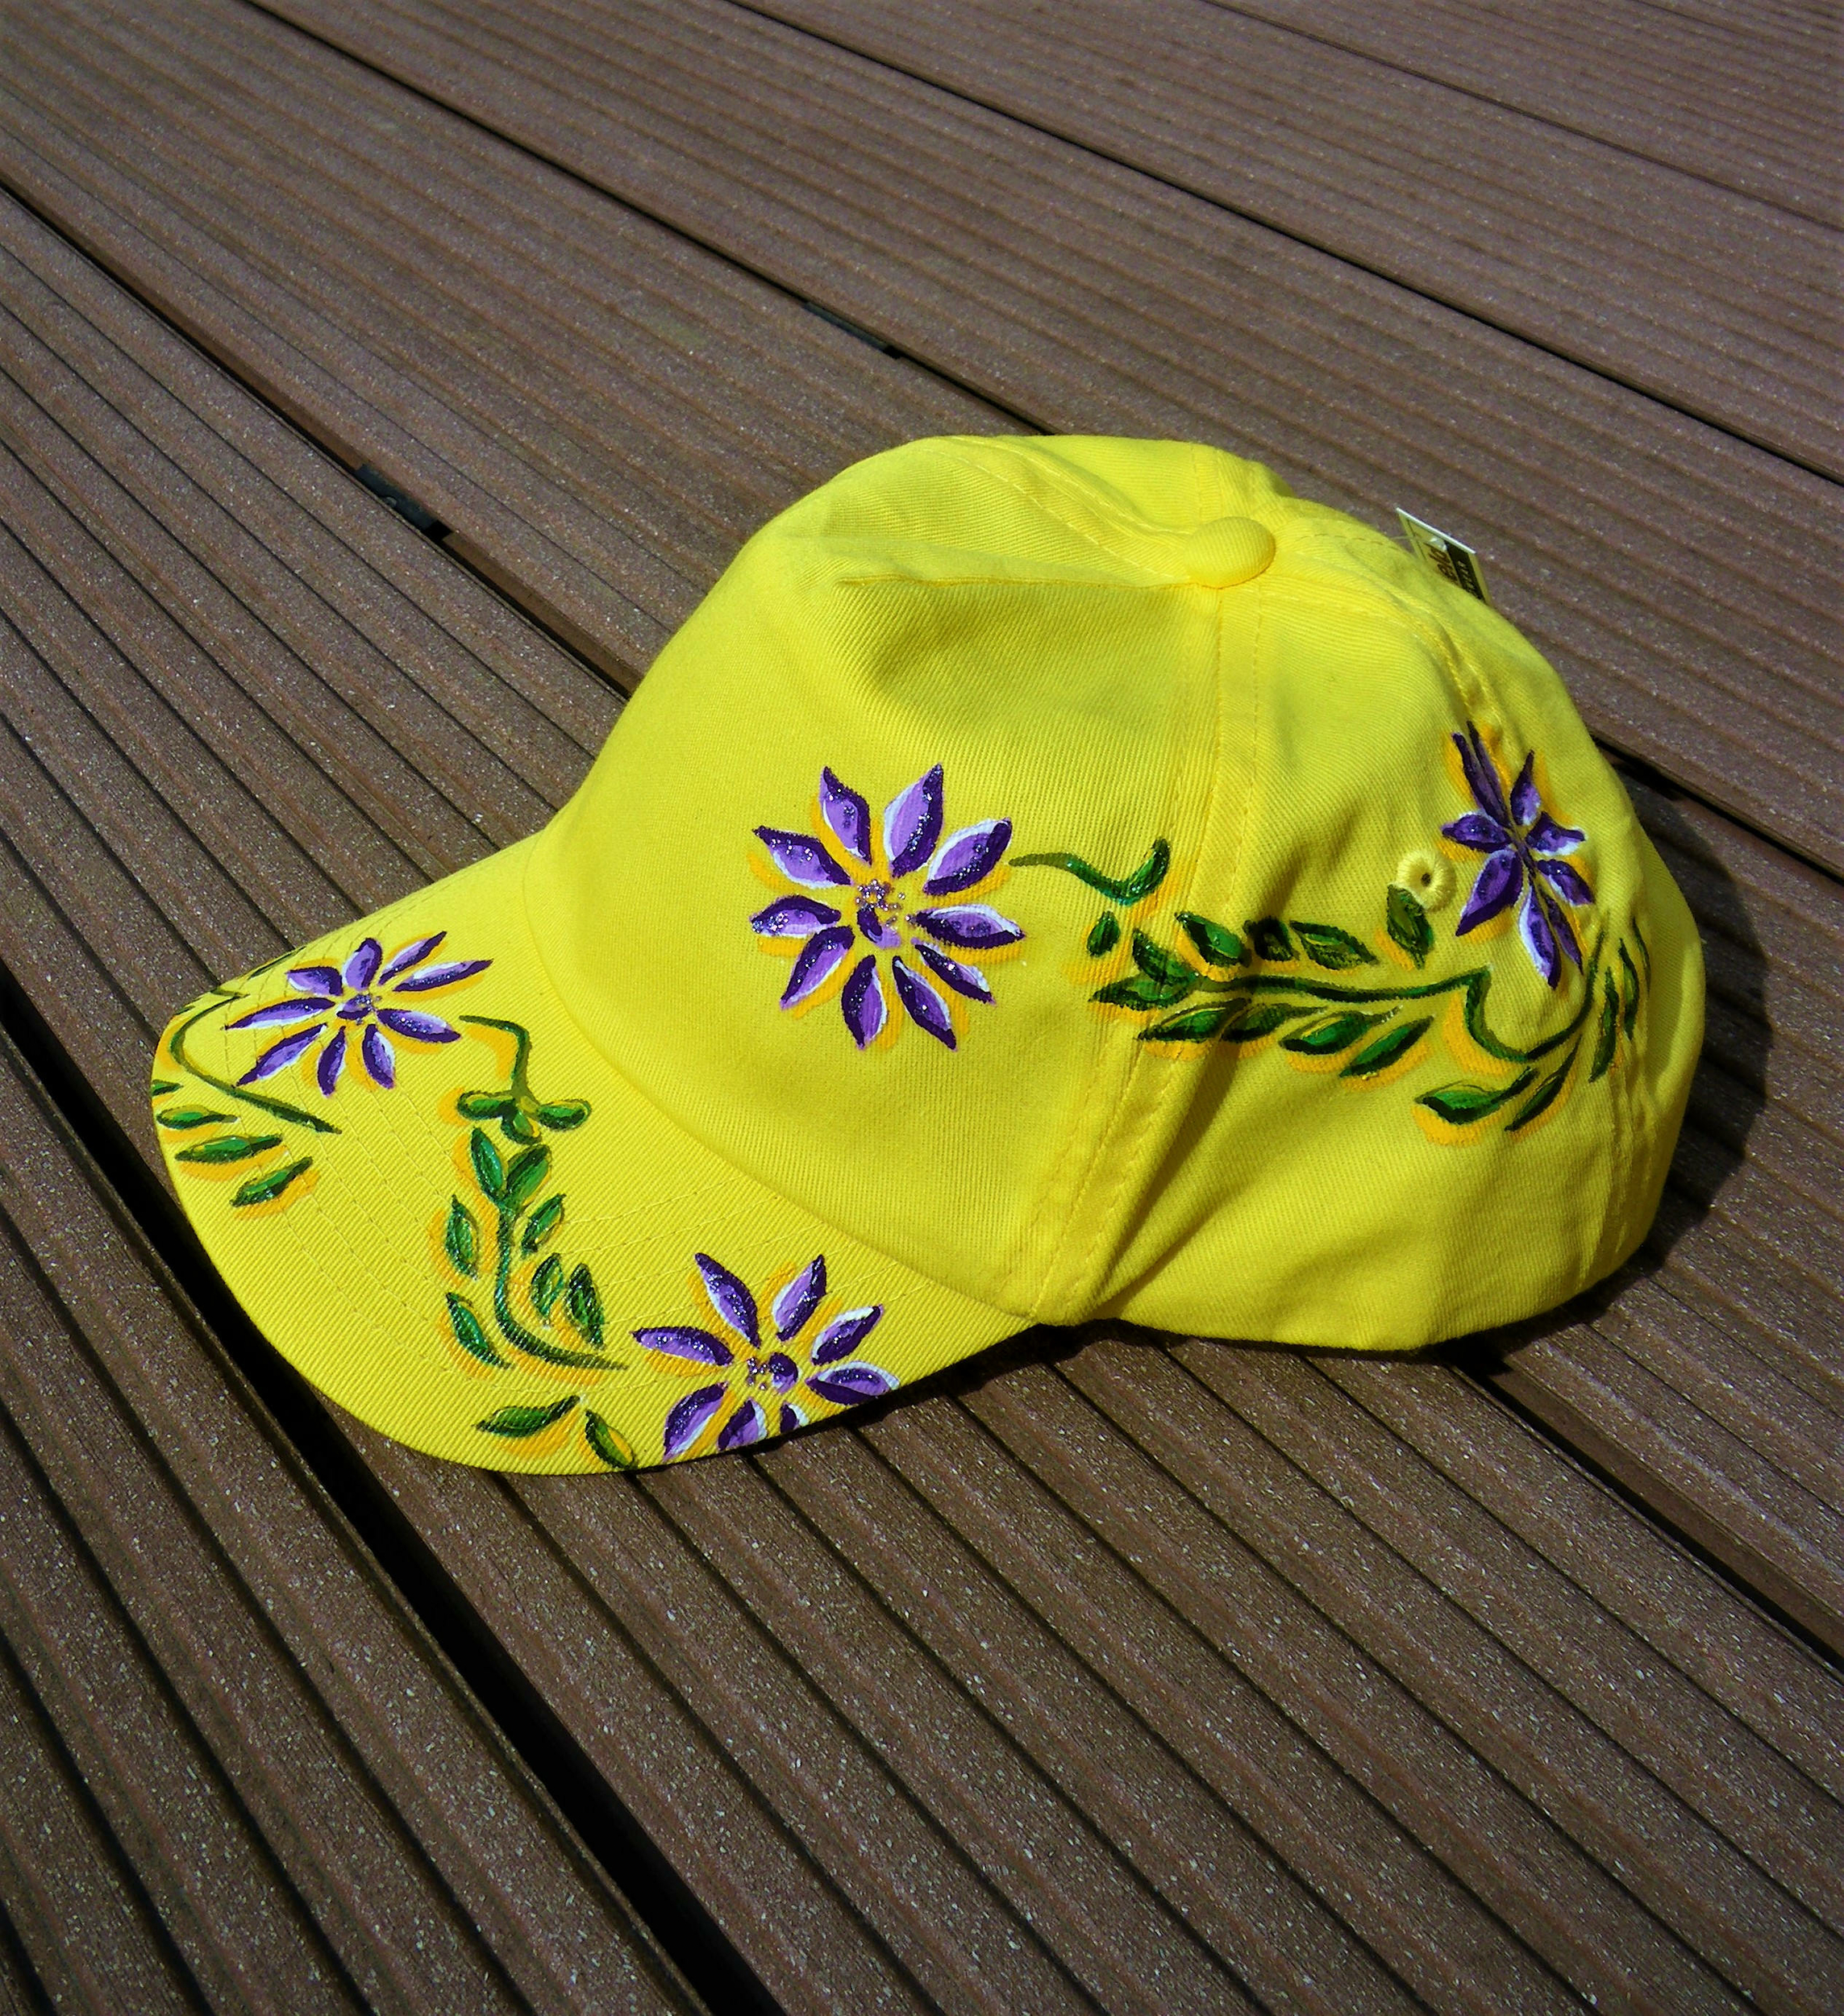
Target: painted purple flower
{"points": [[875, 907], [1523, 846], [759, 1378], [344, 1008]]}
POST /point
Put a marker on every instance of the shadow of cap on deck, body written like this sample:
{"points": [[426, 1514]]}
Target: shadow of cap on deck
{"points": [[1043, 879]]}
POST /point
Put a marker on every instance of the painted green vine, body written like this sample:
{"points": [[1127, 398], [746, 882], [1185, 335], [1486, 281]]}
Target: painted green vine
{"points": [[526, 1221], [1219, 984]]}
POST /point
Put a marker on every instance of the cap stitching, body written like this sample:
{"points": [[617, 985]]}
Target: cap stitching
{"points": [[1170, 1085]]}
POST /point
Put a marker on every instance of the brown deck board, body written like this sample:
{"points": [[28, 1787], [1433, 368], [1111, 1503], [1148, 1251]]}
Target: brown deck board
{"points": [[1720, 304], [240, 1776], [1741, 93], [866, 1692], [1683, 582]]}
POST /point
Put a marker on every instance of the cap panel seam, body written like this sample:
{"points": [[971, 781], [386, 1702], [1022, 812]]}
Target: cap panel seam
{"points": [[1175, 1084]]}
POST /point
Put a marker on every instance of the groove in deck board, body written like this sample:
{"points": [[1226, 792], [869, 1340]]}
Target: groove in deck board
{"points": [[1681, 580], [1717, 304], [660, 1600], [315, 1813], [1746, 97]]}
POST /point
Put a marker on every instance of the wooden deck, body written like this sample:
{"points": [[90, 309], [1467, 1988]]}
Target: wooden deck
{"points": [[380, 385]]}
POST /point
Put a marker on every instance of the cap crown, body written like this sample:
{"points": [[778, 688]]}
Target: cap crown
{"points": [[1091, 804]]}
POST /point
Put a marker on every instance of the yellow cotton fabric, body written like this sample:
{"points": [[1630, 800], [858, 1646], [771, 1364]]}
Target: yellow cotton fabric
{"points": [[1112, 645]]}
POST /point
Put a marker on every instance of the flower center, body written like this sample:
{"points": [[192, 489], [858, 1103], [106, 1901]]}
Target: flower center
{"points": [[355, 1009], [883, 900], [772, 1373]]}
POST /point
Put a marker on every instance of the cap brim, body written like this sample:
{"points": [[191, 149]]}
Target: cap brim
{"points": [[507, 1255]]}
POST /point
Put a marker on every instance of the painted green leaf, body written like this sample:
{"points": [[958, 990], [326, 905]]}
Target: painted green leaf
{"points": [[267, 1188], [161, 1087], [583, 1305], [1196, 1025], [1140, 990], [482, 1105], [1268, 937], [562, 1114], [1338, 1032], [615, 1449], [544, 1221], [490, 1171], [179, 1117], [516, 1423], [1127, 889], [229, 1147], [1256, 1022], [516, 1125], [1328, 947], [1629, 991], [1390, 1047], [1104, 934], [1155, 961], [1217, 945], [1407, 923], [469, 1334], [1545, 1095], [1460, 1105], [1609, 1034], [526, 1170], [547, 1285], [462, 1238]]}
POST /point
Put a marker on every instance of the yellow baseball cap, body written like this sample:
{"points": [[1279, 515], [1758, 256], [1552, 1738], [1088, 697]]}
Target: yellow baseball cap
{"points": [[1046, 878]]}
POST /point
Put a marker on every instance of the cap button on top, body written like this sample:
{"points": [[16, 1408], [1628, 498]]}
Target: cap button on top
{"points": [[1224, 553]]}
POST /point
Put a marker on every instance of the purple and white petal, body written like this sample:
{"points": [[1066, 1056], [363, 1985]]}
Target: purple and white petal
{"points": [[748, 1424], [316, 980], [412, 954], [964, 980], [1539, 940], [277, 1012], [976, 925], [417, 1025], [729, 1298], [871, 927], [686, 1422], [792, 1309], [1501, 883], [362, 965], [846, 1385], [442, 976], [846, 814], [783, 1370], [968, 856], [1548, 837], [280, 1055], [912, 823], [332, 1062], [1564, 931], [1478, 831], [926, 1008], [845, 1333], [792, 917], [1482, 775], [680, 1340], [1525, 803], [801, 859], [815, 962], [380, 1059], [863, 1003], [1565, 881], [792, 1418]]}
